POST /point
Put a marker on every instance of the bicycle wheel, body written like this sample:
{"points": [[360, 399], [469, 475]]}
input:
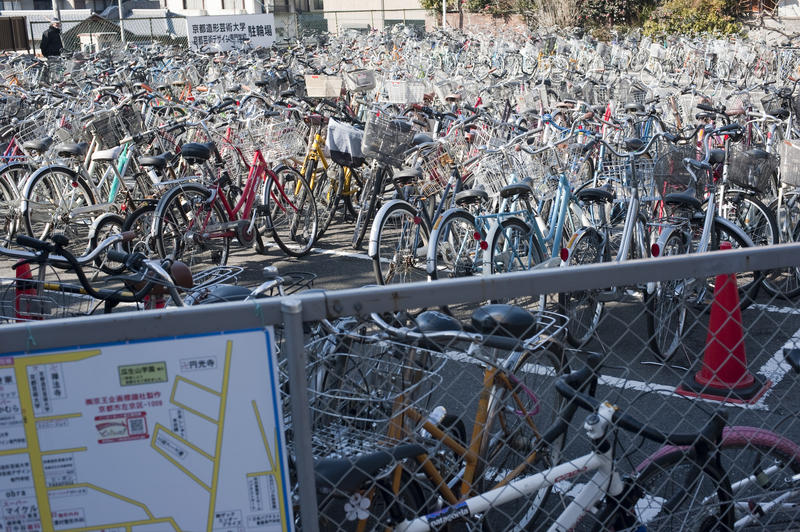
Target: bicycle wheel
{"points": [[666, 307], [291, 211], [760, 465], [399, 244], [327, 192], [55, 200], [750, 214], [9, 201], [367, 204], [785, 282], [513, 247], [187, 227], [455, 249], [702, 293], [108, 225], [583, 308], [522, 408], [140, 222]]}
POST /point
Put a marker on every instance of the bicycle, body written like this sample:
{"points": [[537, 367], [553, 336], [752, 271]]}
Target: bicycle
{"points": [[195, 223]]}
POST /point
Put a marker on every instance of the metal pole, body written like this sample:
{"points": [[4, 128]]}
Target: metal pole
{"points": [[444, 13], [292, 309], [56, 9], [121, 25]]}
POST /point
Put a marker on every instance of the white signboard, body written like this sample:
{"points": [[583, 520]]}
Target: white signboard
{"points": [[224, 32], [177, 434]]}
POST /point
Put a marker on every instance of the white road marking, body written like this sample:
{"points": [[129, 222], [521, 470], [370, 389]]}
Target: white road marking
{"points": [[772, 308]]}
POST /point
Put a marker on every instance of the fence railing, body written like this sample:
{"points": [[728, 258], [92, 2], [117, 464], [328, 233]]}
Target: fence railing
{"points": [[95, 33], [641, 385]]}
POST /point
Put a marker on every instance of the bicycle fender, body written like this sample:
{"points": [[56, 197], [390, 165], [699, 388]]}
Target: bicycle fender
{"points": [[430, 259], [97, 221], [372, 250], [569, 246]]}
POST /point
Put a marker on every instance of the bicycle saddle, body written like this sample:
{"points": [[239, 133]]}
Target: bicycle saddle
{"points": [[634, 144], [72, 149], [718, 156], [406, 176], [471, 196], [109, 155], [157, 161], [39, 145], [634, 107], [516, 189], [595, 195], [349, 474], [195, 152], [504, 320], [421, 138], [683, 198], [435, 321]]}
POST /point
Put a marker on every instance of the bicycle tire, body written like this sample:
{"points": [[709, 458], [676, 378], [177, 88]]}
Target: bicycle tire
{"points": [[583, 308], [399, 243], [49, 197], [367, 205], [9, 219], [748, 283], [785, 282], [750, 214], [744, 451], [513, 247], [140, 222], [513, 433], [179, 214], [455, 249], [328, 187], [666, 307], [291, 211], [108, 225]]}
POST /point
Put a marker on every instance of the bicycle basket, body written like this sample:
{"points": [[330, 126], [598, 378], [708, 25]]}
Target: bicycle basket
{"points": [[751, 169], [344, 142], [669, 172], [386, 138], [323, 86], [398, 91], [360, 80], [789, 153], [356, 398], [107, 129]]}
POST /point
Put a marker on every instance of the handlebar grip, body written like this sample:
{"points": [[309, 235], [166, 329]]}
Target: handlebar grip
{"points": [[117, 256], [730, 128], [706, 107], [33, 243], [127, 236]]}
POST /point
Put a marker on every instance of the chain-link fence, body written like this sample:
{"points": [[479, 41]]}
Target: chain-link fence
{"points": [[419, 406], [94, 33]]}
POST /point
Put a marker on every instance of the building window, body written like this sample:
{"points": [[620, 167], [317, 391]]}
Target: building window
{"points": [[80, 4], [318, 5], [42, 4]]}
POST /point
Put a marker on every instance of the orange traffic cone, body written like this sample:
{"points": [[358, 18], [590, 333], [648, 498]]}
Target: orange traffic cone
{"points": [[724, 375]]}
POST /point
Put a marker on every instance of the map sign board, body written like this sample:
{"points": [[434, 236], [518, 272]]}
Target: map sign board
{"points": [[174, 434], [223, 32]]}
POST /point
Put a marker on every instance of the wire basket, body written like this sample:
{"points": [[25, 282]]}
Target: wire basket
{"points": [[107, 129], [404, 92], [323, 86], [789, 153], [365, 394], [286, 139], [30, 130], [669, 172], [32, 300], [435, 169], [491, 174], [386, 138], [360, 80], [752, 169]]}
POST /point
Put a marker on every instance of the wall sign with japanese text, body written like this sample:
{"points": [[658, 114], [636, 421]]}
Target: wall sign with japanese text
{"points": [[225, 32], [174, 434]]}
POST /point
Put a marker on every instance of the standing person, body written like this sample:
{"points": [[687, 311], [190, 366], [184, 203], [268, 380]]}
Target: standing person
{"points": [[51, 39]]}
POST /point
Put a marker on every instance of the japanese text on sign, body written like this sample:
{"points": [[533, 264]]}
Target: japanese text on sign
{"points": [[220, 33]]}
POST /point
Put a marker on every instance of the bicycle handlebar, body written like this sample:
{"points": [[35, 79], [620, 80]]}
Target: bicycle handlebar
{"points": [[569, 387]]}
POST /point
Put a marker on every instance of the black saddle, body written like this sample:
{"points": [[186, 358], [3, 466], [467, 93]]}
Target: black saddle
{"points": [[348, 475]]}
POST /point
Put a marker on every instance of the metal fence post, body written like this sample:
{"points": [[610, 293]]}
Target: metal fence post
{"points": [[152, 37], [301, 416]]}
